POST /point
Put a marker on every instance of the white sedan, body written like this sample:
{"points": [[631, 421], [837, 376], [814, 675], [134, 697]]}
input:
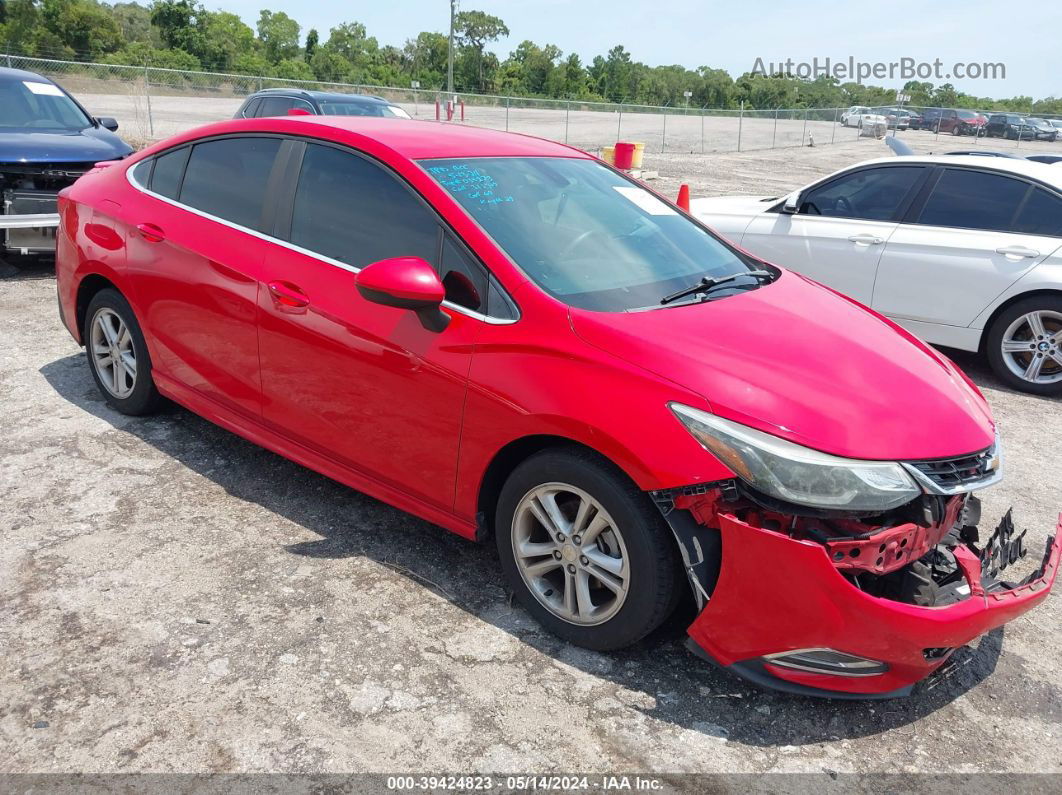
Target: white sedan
{"points": [[858, 115], [964, 251]]}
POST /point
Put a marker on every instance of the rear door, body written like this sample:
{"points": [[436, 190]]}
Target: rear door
{"points": [[973, 234], [195, 252], [367, 385], [840, 229]]}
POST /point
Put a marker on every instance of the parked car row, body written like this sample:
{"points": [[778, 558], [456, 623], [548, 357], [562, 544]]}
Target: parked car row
{"points": [[957, 122], [518, 342]]}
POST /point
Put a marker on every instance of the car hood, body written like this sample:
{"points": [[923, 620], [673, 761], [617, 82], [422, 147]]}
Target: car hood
{"points": [[51, 146], [733, 205], [801, 361]]}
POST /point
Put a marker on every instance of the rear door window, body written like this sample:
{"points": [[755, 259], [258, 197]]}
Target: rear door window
{"points": [[227, 178], [274, 106], [968, 199]]}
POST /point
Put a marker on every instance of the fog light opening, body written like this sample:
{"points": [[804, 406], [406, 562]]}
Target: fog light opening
{"points": [[826, 661]]}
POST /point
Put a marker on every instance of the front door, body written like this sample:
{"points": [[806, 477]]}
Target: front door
{"points": [[840, 229], [365, 384]]}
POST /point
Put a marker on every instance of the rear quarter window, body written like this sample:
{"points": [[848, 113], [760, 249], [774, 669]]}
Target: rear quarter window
{"points": [[1041, 215], [169, 168]]}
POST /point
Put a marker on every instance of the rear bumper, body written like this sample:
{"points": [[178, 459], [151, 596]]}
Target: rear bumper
{"points": [[776, 595]]}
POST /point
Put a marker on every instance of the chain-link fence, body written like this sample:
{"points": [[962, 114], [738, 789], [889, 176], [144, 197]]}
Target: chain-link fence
{"points": [[152, 103]]}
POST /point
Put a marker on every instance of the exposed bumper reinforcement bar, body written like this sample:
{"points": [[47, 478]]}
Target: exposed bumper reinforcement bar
{"points": [[30, 221]]}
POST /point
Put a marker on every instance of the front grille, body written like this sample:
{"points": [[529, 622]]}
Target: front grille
{"points": [[955, 474], [41, 176]]}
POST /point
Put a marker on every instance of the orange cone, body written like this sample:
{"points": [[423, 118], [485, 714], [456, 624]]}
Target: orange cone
{"points": [[684, 197]]}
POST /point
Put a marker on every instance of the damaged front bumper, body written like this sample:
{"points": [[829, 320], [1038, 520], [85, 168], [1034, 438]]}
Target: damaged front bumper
{"points": [[789, 612], [28, 222]]}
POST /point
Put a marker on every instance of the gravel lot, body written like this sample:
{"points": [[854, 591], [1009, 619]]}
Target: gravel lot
{"points": [[176, 599]]}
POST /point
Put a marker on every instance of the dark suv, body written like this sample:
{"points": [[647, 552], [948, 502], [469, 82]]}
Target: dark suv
{"points": [[1010, 125], [47, 140], [282, 101]]}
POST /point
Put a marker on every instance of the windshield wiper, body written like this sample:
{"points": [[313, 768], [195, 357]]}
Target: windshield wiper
{"points": [[707, 284]]}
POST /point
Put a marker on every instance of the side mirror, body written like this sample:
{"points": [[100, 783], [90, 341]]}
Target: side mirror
{"points": [[792, 203], [299, 112], [107, 123], [405, 283]]}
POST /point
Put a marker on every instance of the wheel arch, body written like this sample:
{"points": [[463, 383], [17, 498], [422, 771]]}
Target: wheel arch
{"points": [[87, 289], [507, 459], [1047, 292]]}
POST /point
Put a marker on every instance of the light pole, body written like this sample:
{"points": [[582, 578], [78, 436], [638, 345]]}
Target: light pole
{"points": [[450, 54]]}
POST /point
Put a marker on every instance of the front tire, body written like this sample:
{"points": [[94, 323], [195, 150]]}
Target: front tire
{"points": [[585, 551], [1024, 345], [118, 355]]}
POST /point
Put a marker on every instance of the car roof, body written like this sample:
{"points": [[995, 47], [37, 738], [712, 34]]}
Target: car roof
{"points": [[1042, 172], [368, 99], [9, 75], [409, 138]]}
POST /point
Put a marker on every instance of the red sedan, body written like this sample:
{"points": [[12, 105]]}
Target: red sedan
{"points": [[509, 338]]}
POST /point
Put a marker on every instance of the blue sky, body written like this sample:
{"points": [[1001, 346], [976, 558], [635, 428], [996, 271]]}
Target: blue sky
{"points": [[1021, 35]]}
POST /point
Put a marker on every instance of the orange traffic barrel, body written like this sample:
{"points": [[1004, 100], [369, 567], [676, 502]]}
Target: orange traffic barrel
{"points": [[624, 155]]}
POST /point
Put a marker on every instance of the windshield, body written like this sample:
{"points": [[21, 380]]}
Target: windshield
{"points": [[343, 107], [585, 234], [967, 114], [29, 104]]}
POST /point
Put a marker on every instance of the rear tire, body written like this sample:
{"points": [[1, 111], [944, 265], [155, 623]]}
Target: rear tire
{"points": [[1026, 340], [118, 355], [568, 567]]}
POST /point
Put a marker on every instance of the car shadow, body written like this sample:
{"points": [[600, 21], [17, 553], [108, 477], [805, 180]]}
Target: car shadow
{"points": [[20, 269], [659, 677]]}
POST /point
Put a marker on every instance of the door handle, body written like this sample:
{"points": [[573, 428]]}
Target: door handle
{"points": [[151, 233], [1017, 251], [867, 240], [286, 294]]}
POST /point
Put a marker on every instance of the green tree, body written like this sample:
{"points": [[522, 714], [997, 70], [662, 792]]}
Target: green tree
{"points": [[294, 69], [311, 45], [180, 24], [225, 38], [83, 26], [473, 30], [134, 20], [351, 43], [425, 58], [279, 35]]}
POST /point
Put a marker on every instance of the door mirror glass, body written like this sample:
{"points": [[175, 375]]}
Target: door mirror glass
{"points": [[107, 123], [405, 283], [792, 203]]}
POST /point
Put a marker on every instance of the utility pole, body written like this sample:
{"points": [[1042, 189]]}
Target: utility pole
{"points": [[450, 56]]}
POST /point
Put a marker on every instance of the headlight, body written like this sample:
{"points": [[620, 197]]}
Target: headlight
{"points": [[799, 474]]}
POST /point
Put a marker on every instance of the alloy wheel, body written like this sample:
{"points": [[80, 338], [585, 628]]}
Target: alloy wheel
{"points": [[113, 354], [1032, 347], [570, 554]]}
